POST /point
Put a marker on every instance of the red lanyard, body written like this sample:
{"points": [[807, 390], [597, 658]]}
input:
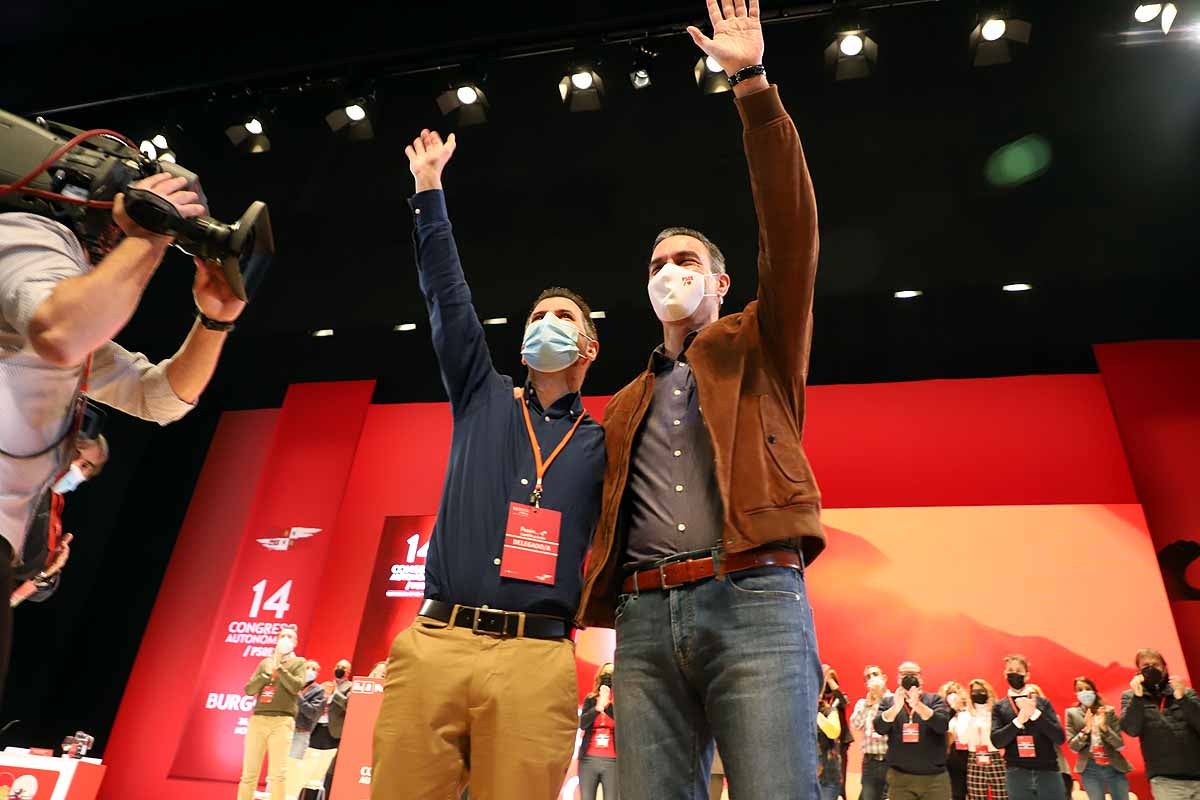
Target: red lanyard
{"points": [[54, 534], [542, 467]]}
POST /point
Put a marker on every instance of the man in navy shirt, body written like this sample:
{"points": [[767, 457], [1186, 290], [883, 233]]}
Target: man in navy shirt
{"points": [[483, 682], [1027, 728]]}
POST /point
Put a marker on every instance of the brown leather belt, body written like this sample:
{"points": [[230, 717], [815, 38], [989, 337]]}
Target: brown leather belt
{"points": [[680, 573]]}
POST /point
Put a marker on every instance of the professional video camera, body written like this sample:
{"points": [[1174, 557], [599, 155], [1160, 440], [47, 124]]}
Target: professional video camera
{"points": [[72, 176]]}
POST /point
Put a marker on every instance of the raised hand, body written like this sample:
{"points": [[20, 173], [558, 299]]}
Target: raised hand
{"points": [[427, 157], [1178, 686], [1137, 685], [737, 39], [172, 188]]}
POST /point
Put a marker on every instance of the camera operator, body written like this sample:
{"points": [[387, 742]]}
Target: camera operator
{"points": [[60, 306]]}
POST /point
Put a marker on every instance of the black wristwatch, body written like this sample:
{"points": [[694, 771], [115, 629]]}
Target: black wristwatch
{"points": [[212, 324], [746, 73]]}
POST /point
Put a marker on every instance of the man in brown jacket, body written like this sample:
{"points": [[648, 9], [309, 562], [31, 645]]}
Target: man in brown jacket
{"points": [[710, 510], [276, 685]]}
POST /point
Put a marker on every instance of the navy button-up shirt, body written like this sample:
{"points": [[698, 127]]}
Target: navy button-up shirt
{"points": [[491, 458]]}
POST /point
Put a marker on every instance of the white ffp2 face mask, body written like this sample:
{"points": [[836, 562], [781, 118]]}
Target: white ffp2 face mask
{"points": [[70, 481], [285, 646], [676, 292]]}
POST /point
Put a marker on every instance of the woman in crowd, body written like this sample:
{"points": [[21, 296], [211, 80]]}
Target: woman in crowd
{"points": [[598, 745], [1094, 732], [956, 756], [832, 693], [973, 727], [831, 766]]}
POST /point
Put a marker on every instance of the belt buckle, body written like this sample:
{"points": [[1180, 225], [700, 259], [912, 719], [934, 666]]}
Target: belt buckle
{"points": [[662, 577], [495, 612]]}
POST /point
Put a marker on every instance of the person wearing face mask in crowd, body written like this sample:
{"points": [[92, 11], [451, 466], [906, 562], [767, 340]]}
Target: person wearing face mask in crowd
{"points": [[503, 571], [874, 744], [957, 702], [39, 583], [1164, 713], [833, 696], [915, 723], [276, 685], [598, 743], [1026, 727], [831, 764], [309, 709], [709, 501], [1094, 732], [972, 730], [328, 733]]}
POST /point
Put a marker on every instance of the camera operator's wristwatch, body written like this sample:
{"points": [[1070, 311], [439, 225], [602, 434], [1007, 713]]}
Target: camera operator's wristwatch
{"points": [[212, 324]]}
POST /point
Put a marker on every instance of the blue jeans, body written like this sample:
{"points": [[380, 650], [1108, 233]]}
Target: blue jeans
{"points": [[735, 659], [1095, 778], [1034, 784]]}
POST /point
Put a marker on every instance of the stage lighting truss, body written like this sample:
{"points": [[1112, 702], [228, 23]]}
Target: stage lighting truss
{"points": [[464, 103]]}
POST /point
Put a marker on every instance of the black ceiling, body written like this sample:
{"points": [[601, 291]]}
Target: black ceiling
{"points": [[541, 196]]}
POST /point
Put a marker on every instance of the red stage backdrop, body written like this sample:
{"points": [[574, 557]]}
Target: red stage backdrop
{"points": [[978, 478]]}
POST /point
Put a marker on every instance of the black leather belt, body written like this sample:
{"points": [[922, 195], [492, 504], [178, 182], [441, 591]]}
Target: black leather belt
{"points": [[497, 622]]}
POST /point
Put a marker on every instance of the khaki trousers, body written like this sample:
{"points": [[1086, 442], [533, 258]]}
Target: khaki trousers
{"points": [[270, 737], [456, 706]]}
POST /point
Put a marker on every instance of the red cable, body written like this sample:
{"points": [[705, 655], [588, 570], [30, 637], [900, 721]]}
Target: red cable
{"points": [[19, 186]]}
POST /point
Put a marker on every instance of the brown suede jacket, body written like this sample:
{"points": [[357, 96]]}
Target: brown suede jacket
{"points": [[750, 371]]}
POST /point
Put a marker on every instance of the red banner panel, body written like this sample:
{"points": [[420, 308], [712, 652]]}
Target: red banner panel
{"points": [[397, 587]]}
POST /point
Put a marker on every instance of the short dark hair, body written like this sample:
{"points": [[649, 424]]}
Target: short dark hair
{"points": [[589, 325], [714, 252]]}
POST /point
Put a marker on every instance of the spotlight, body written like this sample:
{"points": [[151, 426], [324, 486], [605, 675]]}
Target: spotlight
{"points": [[907, 294], [1169, 12], [465, 104], [321, 333], [1016, 287], [851, 54], [405, 326], [168, 156], [599, 315], [496, 321], [352, 120], [1147, 12], [249, 134], [582, 81], [160, 142], [148, 149], [992, 37], [582, 89], [993, 29], [639, 71], [710, 76]]}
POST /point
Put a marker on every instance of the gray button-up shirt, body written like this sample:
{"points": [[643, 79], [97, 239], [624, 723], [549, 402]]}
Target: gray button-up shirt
{"points": [[673, 501], [36, 397]]}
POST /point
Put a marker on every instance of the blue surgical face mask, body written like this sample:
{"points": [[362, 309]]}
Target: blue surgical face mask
{"points": [[551, 344], [70, 481], [1086, 698]]}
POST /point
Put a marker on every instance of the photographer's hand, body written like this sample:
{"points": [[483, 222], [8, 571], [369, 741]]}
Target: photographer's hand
{"points": [[427, 157], [212, 294]]}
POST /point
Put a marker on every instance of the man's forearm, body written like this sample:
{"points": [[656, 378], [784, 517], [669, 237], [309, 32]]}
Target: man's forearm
{"points": [[83, 313], [192, 367]]}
